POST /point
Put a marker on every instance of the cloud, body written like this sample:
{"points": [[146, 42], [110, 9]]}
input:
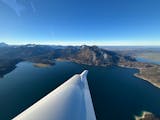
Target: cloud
{"points": [[18, 7], [14, 5]]}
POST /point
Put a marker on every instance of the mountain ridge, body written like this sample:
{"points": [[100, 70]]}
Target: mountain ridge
{"points": [[89, 55], [3, 44]]}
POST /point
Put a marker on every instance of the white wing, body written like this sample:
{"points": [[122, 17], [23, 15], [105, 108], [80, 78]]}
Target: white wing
{"points": [[70, 101]]}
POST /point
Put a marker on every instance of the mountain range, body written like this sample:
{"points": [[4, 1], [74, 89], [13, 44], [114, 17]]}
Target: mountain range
{"points": [[89, 55]]}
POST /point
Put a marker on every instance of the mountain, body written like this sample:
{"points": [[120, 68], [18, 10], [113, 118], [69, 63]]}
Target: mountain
{"points": [[89, 55], [92, 55], [2, 44]]}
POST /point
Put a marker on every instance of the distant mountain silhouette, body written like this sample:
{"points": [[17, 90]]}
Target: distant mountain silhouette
{"points": [[2, 44], [92, 55], [89, 55]]}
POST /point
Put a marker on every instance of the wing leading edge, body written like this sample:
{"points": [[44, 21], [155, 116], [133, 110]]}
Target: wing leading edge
{"points": [[70, 101]]}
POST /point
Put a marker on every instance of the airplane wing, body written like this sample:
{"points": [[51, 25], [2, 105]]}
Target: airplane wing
{"points": [[70, 101]]}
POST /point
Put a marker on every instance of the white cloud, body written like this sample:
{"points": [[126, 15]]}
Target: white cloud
{"points": [[14, 5], [19, 7]]}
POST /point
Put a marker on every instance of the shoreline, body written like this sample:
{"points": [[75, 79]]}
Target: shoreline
{"points": [[145, 115], [150, 81], [141, 77], [145, 79], [141, 116], [138, 74]]}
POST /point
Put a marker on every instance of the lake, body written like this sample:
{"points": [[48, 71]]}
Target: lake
{"points": [[141, 59], [116, 93]]}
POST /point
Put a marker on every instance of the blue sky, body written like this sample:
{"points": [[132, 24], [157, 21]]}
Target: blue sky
{"points": [[93, 22]]}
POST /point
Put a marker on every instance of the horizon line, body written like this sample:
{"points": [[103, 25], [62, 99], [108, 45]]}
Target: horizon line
{"points": [[89, 43]]}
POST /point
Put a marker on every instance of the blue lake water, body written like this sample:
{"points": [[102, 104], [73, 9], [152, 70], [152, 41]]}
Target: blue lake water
{"points": [[140, 59], [116, 93]]}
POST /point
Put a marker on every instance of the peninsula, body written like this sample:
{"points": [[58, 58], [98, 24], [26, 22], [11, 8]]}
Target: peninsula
{"points": [[146, 116]]}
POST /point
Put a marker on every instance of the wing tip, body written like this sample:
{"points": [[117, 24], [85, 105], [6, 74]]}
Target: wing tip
{"points": [[84, 74]]}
